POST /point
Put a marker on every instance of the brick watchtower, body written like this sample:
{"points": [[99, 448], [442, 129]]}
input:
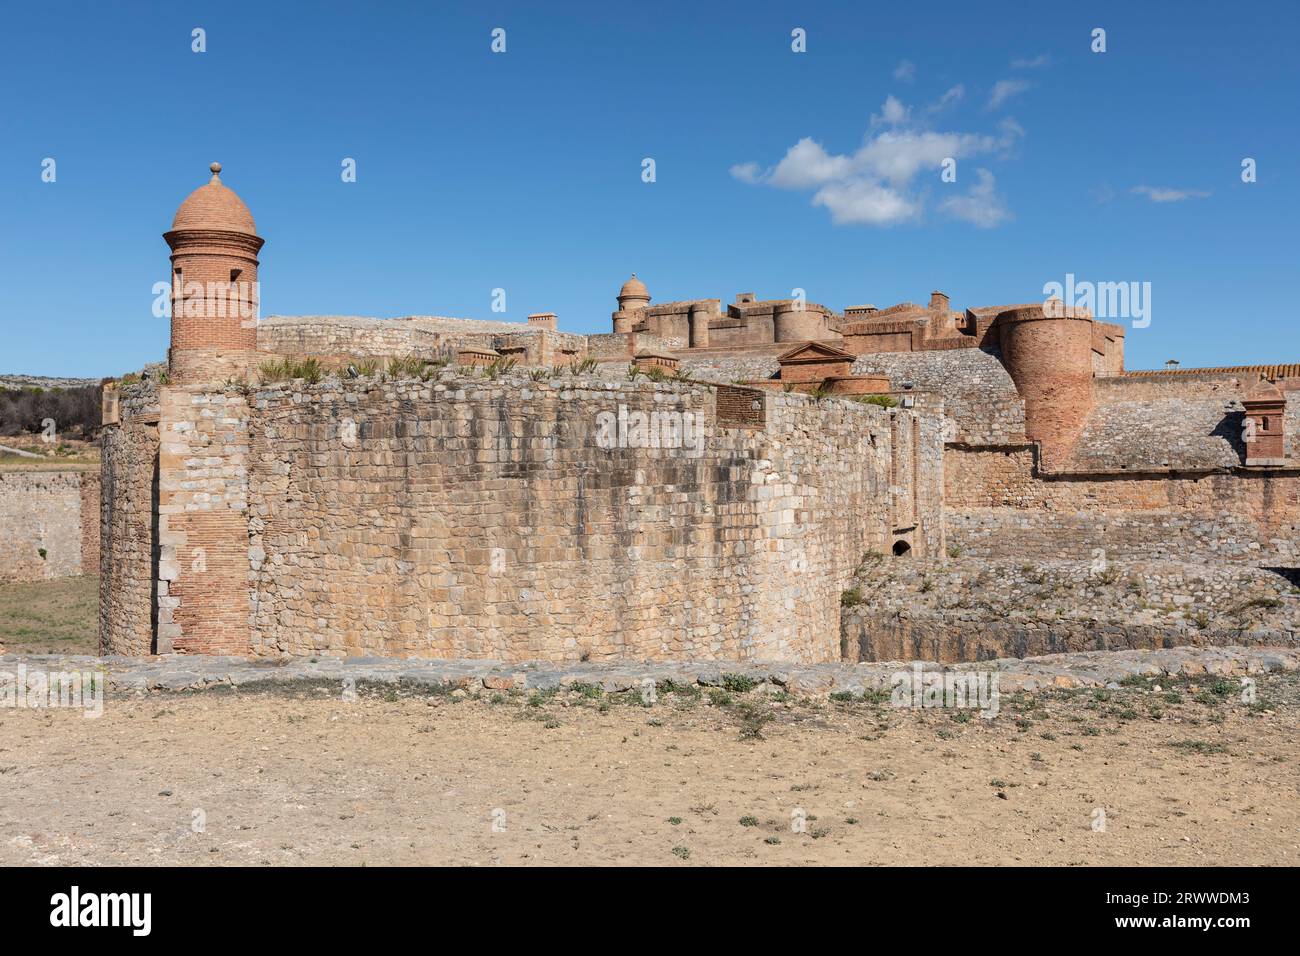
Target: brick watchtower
{"points": [[1048, 353], [214, 245], [633, 298]]}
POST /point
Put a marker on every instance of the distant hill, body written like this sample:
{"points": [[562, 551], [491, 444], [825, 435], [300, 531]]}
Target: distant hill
{"points": [[44, 381]]}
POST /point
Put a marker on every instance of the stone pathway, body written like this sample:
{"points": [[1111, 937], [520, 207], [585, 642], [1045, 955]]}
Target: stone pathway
{"points": [[1092, 669]]}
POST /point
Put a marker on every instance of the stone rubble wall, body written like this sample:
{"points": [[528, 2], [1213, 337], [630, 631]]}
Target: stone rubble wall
{"points": [[1215, 420], [980, 399], [974, 609], [995, 507], [1157, 434], [176, 674], [51, 511], [128, 524], [334, 338]]}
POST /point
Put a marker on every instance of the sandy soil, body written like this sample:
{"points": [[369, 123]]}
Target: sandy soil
{"points": [[300, 776]]}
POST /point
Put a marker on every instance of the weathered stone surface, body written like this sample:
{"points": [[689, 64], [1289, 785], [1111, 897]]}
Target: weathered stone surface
{"points": [[147, 674], [972, 609], [464, 516], [49, 524]]}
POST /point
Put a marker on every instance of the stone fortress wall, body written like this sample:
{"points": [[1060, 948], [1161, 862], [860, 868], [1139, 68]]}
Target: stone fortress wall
{"points": [[128, 578], [475, 507], [462, 517], [50, 522]]}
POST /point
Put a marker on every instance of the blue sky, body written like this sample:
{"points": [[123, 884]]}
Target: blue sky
{"points": [[523, 170]]}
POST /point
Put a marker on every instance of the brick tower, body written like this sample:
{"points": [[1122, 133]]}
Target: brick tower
{"points": [[1048, 353], [214, 245]]}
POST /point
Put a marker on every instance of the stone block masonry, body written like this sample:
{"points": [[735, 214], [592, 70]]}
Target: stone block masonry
{"points": [[477, 519], [51, 524], [467, 517]]}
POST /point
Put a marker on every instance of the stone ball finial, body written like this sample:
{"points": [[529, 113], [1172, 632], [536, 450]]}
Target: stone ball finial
{"points": [[216, 170]]}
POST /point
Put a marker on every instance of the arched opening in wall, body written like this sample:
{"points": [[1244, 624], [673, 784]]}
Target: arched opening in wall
{"points": [[902, 549]]}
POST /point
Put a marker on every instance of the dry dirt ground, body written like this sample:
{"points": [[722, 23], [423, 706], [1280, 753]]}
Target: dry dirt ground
{"points": [[1186, 775]]}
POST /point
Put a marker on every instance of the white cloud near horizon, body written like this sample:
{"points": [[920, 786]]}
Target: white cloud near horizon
{"points": [[875, 184], [1165, 194]]}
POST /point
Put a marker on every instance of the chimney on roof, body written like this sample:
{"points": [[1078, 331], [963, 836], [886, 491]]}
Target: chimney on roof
{"points": [[938, 302], [1171, 364], [543, 320]]}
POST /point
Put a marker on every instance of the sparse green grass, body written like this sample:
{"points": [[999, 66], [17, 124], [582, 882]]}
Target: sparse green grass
{"points": [[1198, 746], [720, 698], [752, 719], [738, 683], [1257, 603], [51, 617], [80, 462]]}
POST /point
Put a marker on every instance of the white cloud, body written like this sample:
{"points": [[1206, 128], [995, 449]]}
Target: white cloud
{"points": [[1031, 63], [897, 156], [876, 183], [807, 164], [892, 112], [1003, 90], [1165, 194], [864, 202], [981, 205], [954, 94], [905, 72]]}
